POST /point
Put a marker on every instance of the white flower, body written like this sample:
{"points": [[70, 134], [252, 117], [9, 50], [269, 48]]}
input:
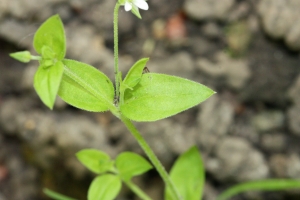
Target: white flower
{"points": [[134, 5], [142, 4]]}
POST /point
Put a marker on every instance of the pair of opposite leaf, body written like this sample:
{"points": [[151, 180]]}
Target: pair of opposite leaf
{"points": [[143, 97]]}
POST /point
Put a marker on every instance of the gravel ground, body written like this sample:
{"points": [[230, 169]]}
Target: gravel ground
{"points": [[246, 50]]}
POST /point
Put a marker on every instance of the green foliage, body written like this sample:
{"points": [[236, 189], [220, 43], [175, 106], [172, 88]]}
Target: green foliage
{"points": [[261, 185], [49, 41], [95, 160], [47, 81], [22, 56], [158, 96], [105, 187], [188, 176], [55, 195], [85, 87], [134, 75], [143, 97], [51, 34], [131, 164], [108, 183]]}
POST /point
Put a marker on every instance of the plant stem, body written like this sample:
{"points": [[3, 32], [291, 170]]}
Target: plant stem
{"points": [[116, 51], [35, 57], [159, 167], [137, 190]]}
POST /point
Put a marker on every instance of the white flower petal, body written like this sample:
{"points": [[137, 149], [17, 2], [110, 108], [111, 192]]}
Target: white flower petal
{"points": [[128, 6], [142, 4]]}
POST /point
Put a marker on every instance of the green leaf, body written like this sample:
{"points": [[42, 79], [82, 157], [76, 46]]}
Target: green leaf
{"points": [[47, 53], [22, 56], [158, 96], [85, 87], [105, 187], [47, 81], [261, 185], [95, 160], [131, 164], [135, 73], [188, 176], [55, 195], [51, 33]]}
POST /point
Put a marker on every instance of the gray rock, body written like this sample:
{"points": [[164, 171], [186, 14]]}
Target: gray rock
{"points": [[286, 166], [3, 9], [51, 134], [281, 19], [17, 32], [214, 121], [235, 71], [207, 9], [238, 160], [268, 120], [274, 142], [278, 165], [293, 166], [294, 119], [294, 92], [104, 11], [90, 48], [179, 64]]}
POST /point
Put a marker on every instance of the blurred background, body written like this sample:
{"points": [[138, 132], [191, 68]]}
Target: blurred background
{"points": [[246, 50]]}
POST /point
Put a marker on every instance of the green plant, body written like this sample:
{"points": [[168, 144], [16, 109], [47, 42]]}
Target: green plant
{"points": [[139, 96]]}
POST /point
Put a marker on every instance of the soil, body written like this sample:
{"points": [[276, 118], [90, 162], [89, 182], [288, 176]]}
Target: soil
{"points": [[248, 131]]}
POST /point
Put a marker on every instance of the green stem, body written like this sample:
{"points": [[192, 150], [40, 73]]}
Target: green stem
{"points": [[137, 190], [35, 57], [159, 167], [116, 51]]}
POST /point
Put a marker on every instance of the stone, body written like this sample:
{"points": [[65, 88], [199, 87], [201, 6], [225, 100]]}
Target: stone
{"points": [[278, 165], [207, 9], [235, 71], [274, 142], [281, 20], [17, 32], [268, 120], [214, 111], [294, 119], [294, 92], [238, 161], [179, 64], [293, 166]]}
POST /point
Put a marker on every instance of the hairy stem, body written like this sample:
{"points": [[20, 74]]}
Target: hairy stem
{"points": [[116, 51], [152, 157]]}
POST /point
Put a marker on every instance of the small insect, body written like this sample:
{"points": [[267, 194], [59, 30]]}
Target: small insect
{"points": [[146, 70]]}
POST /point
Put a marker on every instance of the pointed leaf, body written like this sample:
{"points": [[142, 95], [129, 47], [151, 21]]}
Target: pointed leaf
{"points": [[47, 81], [131, 164], [22, 56], [105, 187], [51, 33], [188, 176], [158, 96], [135, 73], [55, 195], [95, 160], [85, 87]]}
